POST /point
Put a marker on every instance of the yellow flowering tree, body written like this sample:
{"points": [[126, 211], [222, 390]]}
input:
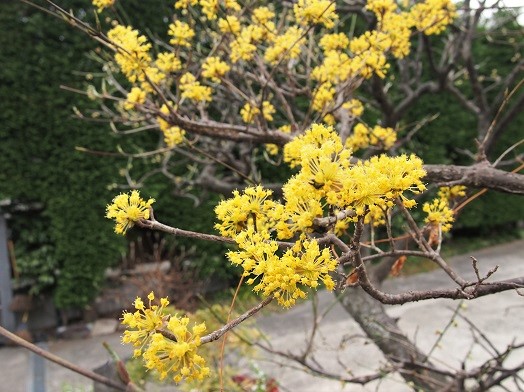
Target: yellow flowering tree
{"points": [[236, 85]]}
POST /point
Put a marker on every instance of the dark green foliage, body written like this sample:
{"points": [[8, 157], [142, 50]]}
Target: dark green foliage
{"points": [[67, 241], [448, 138]]}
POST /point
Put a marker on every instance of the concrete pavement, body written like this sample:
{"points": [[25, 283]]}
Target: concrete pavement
{"points": [[340, 345]]}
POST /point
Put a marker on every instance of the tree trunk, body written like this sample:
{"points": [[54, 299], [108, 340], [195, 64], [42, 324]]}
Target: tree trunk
{"points": [[385, 333]]}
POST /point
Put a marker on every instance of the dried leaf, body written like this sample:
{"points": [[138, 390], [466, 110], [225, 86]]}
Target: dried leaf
{"points": [[352, 279], [397, 266], [433, 235]]}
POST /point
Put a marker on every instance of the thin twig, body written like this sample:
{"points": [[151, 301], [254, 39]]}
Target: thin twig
{"points": [[60, 361]]}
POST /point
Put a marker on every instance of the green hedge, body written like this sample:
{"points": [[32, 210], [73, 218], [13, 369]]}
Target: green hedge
{"points": [[39, 162]]}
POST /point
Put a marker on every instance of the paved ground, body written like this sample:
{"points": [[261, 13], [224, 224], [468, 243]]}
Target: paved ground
{"points": [[340, 345]]}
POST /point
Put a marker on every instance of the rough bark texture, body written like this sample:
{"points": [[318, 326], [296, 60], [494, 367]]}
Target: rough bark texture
{"points": [[385, 333], [480, 175]]}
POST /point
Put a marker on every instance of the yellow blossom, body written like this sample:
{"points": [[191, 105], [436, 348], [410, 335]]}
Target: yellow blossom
{"points": [[304, 265], [355, 107], [192, 89], [214, 68], [323, 97], [433, 16], [143, 322], [381, 7], [134, 97], [439, 214], [210, 7], [242, 47], [316, 12], [152, 77], [183, 4], [166, 111], [397, 27], [369, 50], [132, 51], [167, 62], [359, 138], [249, 112], [230, 24], [262, 15], [450, 193], [126, 209], [181, 33], [329, 119], [336, 67], [243, 210], [319, 136], [286, 46], [385, 138], [101, 4], [334, 41], [176, 358], [173, 136]]}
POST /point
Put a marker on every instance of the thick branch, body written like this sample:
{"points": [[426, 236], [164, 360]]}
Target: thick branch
{"points": [[480, 175], [220, 130]]}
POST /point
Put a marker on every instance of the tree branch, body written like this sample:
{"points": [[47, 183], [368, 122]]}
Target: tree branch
{"points": [[479, 175]]}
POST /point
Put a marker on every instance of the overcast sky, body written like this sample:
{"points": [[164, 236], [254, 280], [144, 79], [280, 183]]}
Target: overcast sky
{"points": [[507, 3]]}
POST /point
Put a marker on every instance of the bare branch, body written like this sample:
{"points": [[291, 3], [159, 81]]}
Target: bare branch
{"points": [[479, 175]]}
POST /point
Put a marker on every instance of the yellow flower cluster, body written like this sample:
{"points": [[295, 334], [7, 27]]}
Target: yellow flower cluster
{"points": [[326, 182], [330, 42], [214, 68], [323, 96], [144, 322], [181, 33], [327, 175], [248, 112], [439, 214], [183, 4], [381, 7], [102, 4], [262, 16], [168, 62], [355, 107], [134, 97], [433, 16], [316, 12], [193, 90], [230, 24], [132, 56], [450, 193], [132, 51], [245, 210], [210, 7], [176, 357], [285, 46], [285, 277], [369, 52], [242, 48], [363, 137], [336, 67], [173, 136], [165, 110], [251, 34], [126, 209]]}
